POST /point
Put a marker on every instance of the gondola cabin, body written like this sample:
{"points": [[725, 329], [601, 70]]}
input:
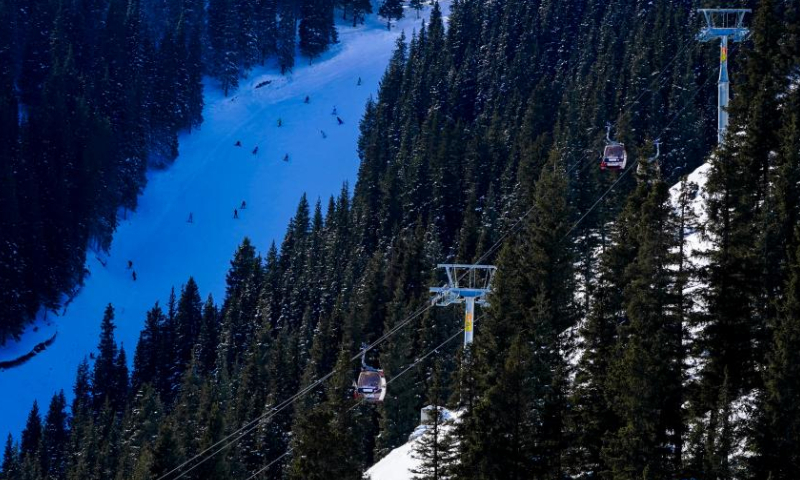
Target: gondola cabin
{"points": [[371, 386], [614, 157]]}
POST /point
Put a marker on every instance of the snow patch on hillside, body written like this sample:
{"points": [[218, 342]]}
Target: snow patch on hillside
{"points": [[400, 462]]}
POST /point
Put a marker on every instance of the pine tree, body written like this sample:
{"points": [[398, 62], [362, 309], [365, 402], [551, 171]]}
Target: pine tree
{"points": [[207, 339], [266, 28], [141, 427], [416, 5], [13, 300], [776, 426], [166, 453], [55, 437], [36, 60], [222, 36], [324, 445], [31, 436], [360, 10], [82, 390], [316, 27], [188, 320], [246, 36], [436, 449], [10, 469], [194, 80], [213, 432], [105, 375], [241, 299], [646, 379], [391, 10], [147, 360], [285, 37]]}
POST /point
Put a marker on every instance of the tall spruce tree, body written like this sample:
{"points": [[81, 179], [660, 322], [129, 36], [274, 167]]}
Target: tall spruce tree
{"points": [[105, 376], [776, 427], [646, 377], [436, 449], [391, 10], [55, 438]]}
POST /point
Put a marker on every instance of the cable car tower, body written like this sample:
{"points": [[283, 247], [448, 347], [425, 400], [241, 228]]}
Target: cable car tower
{"points": [[724, 24], [468, 284]]}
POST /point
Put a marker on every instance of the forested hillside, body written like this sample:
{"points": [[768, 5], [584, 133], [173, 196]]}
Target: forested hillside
{"points": [[606, 352], [93, 93]]}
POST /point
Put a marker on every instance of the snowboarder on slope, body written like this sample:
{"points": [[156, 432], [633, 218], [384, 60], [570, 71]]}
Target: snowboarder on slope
{"points": [[307, 99], [255, 150], [134, 275], [280, 122], [359, 81], [323, 134], [286, 158], [334, 110], [235, 213], [238, 143], [339, 120], [130, 264]]}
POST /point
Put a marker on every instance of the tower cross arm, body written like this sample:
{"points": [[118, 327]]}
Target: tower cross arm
{"points": [[717, 25]]}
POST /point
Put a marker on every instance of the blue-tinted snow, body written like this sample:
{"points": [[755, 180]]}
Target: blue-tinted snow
{"points": [[210, 178]]}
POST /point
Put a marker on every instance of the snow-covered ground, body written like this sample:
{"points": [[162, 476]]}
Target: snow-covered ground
{"points": [[400, 462], [210, 178]]}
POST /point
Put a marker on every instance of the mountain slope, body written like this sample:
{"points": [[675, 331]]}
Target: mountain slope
{"points": [[209, 180]]}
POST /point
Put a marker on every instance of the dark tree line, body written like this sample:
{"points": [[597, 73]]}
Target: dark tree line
{"points": [[94, 92], [608, 350]]}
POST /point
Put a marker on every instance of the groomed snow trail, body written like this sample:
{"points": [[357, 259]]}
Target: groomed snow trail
{"points": [[210, 178]]}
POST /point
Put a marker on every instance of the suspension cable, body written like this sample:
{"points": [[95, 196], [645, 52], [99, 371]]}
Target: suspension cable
{"points": [[360, 402], [250, 426]]}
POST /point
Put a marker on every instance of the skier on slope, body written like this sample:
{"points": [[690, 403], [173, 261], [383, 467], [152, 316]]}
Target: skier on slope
{"points": [[238, 143], [243, 206], [190, 220], [280, 122], [255, 150], [334, 110], [130, 264], [235, 213], [338, 119], [133, 275], [307, 99], [323, 134], [286, 158]]}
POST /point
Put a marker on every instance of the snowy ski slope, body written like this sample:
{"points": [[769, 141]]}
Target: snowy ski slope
{"points": [[209, 179]]}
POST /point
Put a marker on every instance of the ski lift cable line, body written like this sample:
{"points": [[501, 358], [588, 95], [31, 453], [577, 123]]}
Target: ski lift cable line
{"points": [[248, 427], [516, 226], [625, 172], [360, 402], [694, 94], [251, 425], [580, 162], [641, 94]]}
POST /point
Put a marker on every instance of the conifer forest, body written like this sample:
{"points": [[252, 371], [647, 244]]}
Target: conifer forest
{"points": [[643, 323]]}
